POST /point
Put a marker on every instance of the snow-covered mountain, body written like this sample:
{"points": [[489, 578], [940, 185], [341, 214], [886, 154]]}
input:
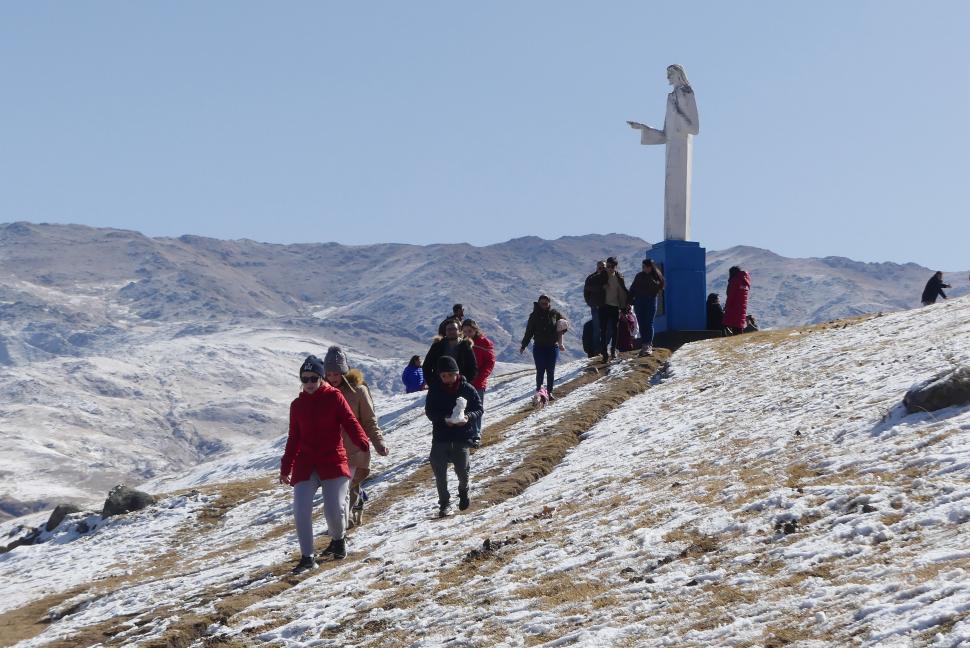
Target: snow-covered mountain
{"points": [[763, 490], [123, 357], [69, 290]]}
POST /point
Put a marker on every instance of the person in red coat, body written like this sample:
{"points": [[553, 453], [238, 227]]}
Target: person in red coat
{"points": [[315, 457], [484, 352], [736, 304]]}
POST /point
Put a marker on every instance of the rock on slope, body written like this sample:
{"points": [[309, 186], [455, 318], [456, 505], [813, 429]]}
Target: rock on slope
{"points": [[769, 489]]}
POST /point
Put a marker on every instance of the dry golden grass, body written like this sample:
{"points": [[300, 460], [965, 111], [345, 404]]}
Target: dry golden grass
{"points": [[553, 590], [30, 620], [544, 452]]}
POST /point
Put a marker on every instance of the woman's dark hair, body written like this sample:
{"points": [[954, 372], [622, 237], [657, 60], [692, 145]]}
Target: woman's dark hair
{"points": [[713, 297], [415, 361], [473, 325], [733, 270]]}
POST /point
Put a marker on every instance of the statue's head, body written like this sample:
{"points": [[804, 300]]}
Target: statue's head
{"points": [[676, 75]]}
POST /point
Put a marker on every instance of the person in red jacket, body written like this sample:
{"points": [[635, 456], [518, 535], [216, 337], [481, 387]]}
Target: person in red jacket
{"points": [[484, 352], [315, 457], [736, 304]]}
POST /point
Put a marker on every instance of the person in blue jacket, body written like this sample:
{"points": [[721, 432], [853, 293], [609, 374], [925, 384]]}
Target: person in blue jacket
{"points": [[413, 376], [451, 439]]}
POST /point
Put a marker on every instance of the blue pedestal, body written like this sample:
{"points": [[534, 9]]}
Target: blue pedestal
{"points": [[683, 303]]}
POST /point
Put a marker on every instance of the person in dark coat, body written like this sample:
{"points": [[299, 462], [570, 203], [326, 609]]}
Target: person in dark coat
{"points": [[616, 296], [736, 305], [413, 376], [450, 438], [452, 345], [715, 314], [595, 296], [643, 292], [457, 315], [934, 288], [543, 327]]}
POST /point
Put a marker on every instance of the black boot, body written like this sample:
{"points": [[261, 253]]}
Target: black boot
{"points": [[306, 562], [443, 508], [337, 550], [463, 502]]}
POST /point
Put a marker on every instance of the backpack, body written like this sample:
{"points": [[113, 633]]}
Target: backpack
{"points": [[589, 344]]}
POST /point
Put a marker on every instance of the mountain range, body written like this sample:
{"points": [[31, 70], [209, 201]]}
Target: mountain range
{"points": [[68, 290], [125, 357]]}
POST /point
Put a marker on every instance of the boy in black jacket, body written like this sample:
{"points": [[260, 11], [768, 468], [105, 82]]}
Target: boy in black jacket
{"points": [[450, 439]]}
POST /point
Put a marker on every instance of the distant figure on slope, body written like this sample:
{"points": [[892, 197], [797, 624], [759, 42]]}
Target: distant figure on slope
{"points": [[627, 333], [351, 384], [315, 457], [595, 295], [643, 291], [751, 324], [736, 305], [615, 298], [452, 344], [715, 314], [934, 288], [484, 352], [451, 438], [543, 325], [413, 376], [457, 315]]}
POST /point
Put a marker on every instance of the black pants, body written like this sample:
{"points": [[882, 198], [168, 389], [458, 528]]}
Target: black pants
{"points": [[443, 453], [609, 322]]}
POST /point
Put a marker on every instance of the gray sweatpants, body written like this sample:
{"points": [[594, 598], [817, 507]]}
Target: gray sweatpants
{"points": [[334, 509], [441, 455]]}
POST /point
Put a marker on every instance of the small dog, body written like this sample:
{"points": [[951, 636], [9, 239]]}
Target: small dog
{"points": [[540, 398]]}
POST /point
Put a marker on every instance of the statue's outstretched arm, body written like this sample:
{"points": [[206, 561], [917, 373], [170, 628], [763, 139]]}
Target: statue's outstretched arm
{"points": [[648, 135]]}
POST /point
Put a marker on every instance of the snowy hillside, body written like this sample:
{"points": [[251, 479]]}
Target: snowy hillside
{"points": [[124, 357], [763, 490], [165, 399]]}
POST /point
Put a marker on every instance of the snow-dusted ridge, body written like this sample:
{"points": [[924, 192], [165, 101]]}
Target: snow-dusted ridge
{"points": [[769, 491]]}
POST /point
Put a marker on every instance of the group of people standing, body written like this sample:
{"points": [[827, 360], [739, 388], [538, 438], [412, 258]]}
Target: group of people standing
{"points": [[610, 300]]}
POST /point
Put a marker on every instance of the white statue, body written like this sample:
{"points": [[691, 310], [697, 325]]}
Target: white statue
{"points": [[680, 125]]}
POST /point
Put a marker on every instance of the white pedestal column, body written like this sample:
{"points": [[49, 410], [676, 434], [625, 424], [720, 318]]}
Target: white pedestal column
{"points": [[677, 187]]}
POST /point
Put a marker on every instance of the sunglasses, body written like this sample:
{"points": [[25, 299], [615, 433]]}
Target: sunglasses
{"points": [[309, 379]]}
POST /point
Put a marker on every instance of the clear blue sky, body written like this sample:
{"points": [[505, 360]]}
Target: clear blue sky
{"points": [[827, 128]]}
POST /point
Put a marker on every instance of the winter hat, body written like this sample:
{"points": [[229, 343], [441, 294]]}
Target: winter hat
{"points": [[447, 363], [335, 361], [312, 363]]}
